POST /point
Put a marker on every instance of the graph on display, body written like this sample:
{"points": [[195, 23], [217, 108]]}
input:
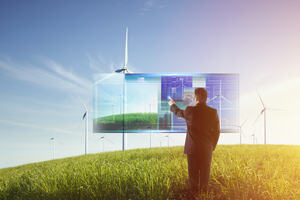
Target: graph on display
{"points": [[138, 103]]}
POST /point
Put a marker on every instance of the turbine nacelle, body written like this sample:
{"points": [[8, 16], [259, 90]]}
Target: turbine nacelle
{"points": [[121, 70]]}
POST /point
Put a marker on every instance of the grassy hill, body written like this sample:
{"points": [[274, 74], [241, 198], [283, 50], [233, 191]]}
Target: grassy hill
{"points": [[131, 121], [238, 172]]}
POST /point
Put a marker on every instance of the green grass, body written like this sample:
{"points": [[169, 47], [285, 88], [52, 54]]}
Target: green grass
{"points": [[238, 172], [131, 121]]}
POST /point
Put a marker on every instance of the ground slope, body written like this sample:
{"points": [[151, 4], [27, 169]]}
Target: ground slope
{"points": [[238, 172]]}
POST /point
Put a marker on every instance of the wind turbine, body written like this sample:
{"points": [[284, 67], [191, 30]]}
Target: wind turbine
{"points": [[53, 140], [253, 138], [124, 70], [167, 136], [264, 111], [220, 96], [103, 138], [86, 117], [241, 129]]}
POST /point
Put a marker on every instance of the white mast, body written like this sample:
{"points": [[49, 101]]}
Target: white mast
{"points": [[126, 51]]}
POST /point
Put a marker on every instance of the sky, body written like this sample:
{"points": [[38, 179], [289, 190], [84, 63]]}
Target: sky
{"points": [[51, 50]]}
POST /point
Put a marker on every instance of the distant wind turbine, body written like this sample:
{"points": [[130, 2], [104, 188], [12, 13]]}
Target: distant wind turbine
{"points": [[103, 139], [253, 139], [264, 111], [53, 140], [86, 117], [241, 129], [167, 136]]}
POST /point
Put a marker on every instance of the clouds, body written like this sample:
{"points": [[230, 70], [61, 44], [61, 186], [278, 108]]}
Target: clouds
{"points": [[98, 64], [46, 75], [34, 126], [68, 75], [150, 5], [54, 76]]}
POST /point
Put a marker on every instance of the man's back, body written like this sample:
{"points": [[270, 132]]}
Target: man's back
{"points": [[202, 127]]}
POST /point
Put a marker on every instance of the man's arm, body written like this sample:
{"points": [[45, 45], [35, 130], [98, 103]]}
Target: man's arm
{"points": [[186, 114], [174, 108], [177, 111]]}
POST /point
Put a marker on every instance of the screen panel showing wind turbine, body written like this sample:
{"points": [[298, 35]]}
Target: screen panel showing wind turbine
{"points": [[137, 103]]}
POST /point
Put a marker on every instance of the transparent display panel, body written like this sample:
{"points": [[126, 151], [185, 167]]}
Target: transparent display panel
{"points": [[137, 103]]}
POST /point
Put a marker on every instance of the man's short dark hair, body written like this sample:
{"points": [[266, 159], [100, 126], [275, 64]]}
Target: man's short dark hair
{"points": [[201, 94]]}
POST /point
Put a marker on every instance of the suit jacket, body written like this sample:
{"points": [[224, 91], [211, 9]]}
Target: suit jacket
{"points": [[203, 128]]}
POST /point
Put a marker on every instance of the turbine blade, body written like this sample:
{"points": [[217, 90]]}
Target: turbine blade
{"points": [[244, 122], [212, 99], [226, 99], [258, 116], [83, 104], [129, 71], [119, 70], [261, 100], [277, 109], [84, 115], [80, 100], [109, 141], [126, 49]]}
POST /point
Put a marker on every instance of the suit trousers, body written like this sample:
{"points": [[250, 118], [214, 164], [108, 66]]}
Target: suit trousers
{"points": [[199, 167]]}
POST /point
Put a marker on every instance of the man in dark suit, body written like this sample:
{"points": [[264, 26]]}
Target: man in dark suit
{"points": [[203, 131]]}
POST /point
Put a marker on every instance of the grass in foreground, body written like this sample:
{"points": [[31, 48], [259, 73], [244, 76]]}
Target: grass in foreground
{"points": [[238, 172]]}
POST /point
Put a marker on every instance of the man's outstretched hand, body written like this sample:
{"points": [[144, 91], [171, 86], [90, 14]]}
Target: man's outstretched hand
{"points": [[171, 102]]}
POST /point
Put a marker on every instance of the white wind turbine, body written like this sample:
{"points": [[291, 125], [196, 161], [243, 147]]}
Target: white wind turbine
{"points": [[220, 96], [124, 70], [103, 138], [241, 129], [264, 111], [52, 139], [85, 116], [86, 128]]}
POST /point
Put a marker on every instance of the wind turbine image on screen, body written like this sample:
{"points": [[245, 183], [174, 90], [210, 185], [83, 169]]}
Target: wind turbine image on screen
{"points": [[143, 105]]}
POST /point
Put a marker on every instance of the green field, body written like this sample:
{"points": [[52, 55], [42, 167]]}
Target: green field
{"points": [[238, 172], [132, 121]]}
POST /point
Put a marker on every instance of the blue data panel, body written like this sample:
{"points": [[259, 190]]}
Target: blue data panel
{"points": [[139, 102]]}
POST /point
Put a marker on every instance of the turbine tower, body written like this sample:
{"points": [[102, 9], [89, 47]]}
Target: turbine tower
{"points": [[124, 70]]}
